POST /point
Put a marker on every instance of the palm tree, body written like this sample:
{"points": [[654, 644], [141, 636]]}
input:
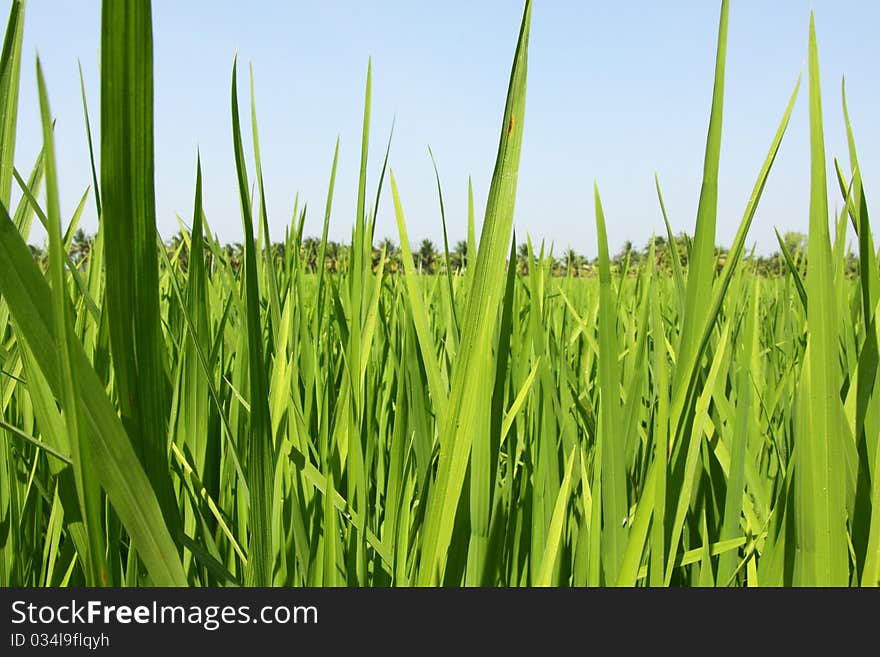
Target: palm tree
{"points": [[797, 243], [721, 254], [662, 259], [427, 255], [81, 247], [683, 244], [234, 254], [392, 255], [522, 258], [458, 259], [279, 254], [572, 262], [309, 253], [336, 256], [626, 257]]}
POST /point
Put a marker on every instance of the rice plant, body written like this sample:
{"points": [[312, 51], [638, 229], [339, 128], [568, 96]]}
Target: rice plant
{"points": [[185, 417]]}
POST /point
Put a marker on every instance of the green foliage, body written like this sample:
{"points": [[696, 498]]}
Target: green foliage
{"points": [[316, 413]]}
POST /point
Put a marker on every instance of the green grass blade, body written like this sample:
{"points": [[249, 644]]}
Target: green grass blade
{"points": [[40, 444], [871, 570], [554, 534], [115, 462], [319, 303], [681, 394], [380, 185], [467, 400], [471, 233], [261, 457], [436, 386], [88, 493], [672, 246], [129, 218], [867, 393], [10, 74], [822, 542], [744, 427], [272, 275], [196, 381], [793, 270], [701, 263], [445, 242], [95, 185], [615, 508]]}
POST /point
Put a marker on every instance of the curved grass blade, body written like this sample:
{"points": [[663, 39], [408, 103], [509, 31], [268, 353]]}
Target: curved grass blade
{"points": [[261, 456], [868, 384], [10, 74], [274, 295], [792, 268], [436, 386], [88, 493], [322, 255], [681, 394], [115, 463], [701, 262], [195, 405], [15, 431], [96, 186], [672, 246], [445, 243], [554, 533]]}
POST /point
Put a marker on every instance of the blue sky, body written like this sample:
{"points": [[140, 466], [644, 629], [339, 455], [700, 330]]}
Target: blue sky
{"points": [[616, 92]]}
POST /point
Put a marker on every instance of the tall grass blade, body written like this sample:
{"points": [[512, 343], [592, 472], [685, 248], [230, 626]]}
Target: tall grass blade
{"points": [[261, 450], [129, 223], [466, 396], [115, 463], [10, 74], [821, 526]]}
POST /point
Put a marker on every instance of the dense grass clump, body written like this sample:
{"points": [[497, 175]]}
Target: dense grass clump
{"points": [[190, 418]]}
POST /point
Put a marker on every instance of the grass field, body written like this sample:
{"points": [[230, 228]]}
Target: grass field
{"points": [[172, 419]]}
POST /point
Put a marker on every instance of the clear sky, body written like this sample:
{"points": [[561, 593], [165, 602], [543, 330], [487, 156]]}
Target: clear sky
{"points": [[616, 91]]}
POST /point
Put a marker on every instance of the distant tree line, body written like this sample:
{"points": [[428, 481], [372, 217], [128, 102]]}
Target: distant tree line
{"points": [[429, 259]]}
